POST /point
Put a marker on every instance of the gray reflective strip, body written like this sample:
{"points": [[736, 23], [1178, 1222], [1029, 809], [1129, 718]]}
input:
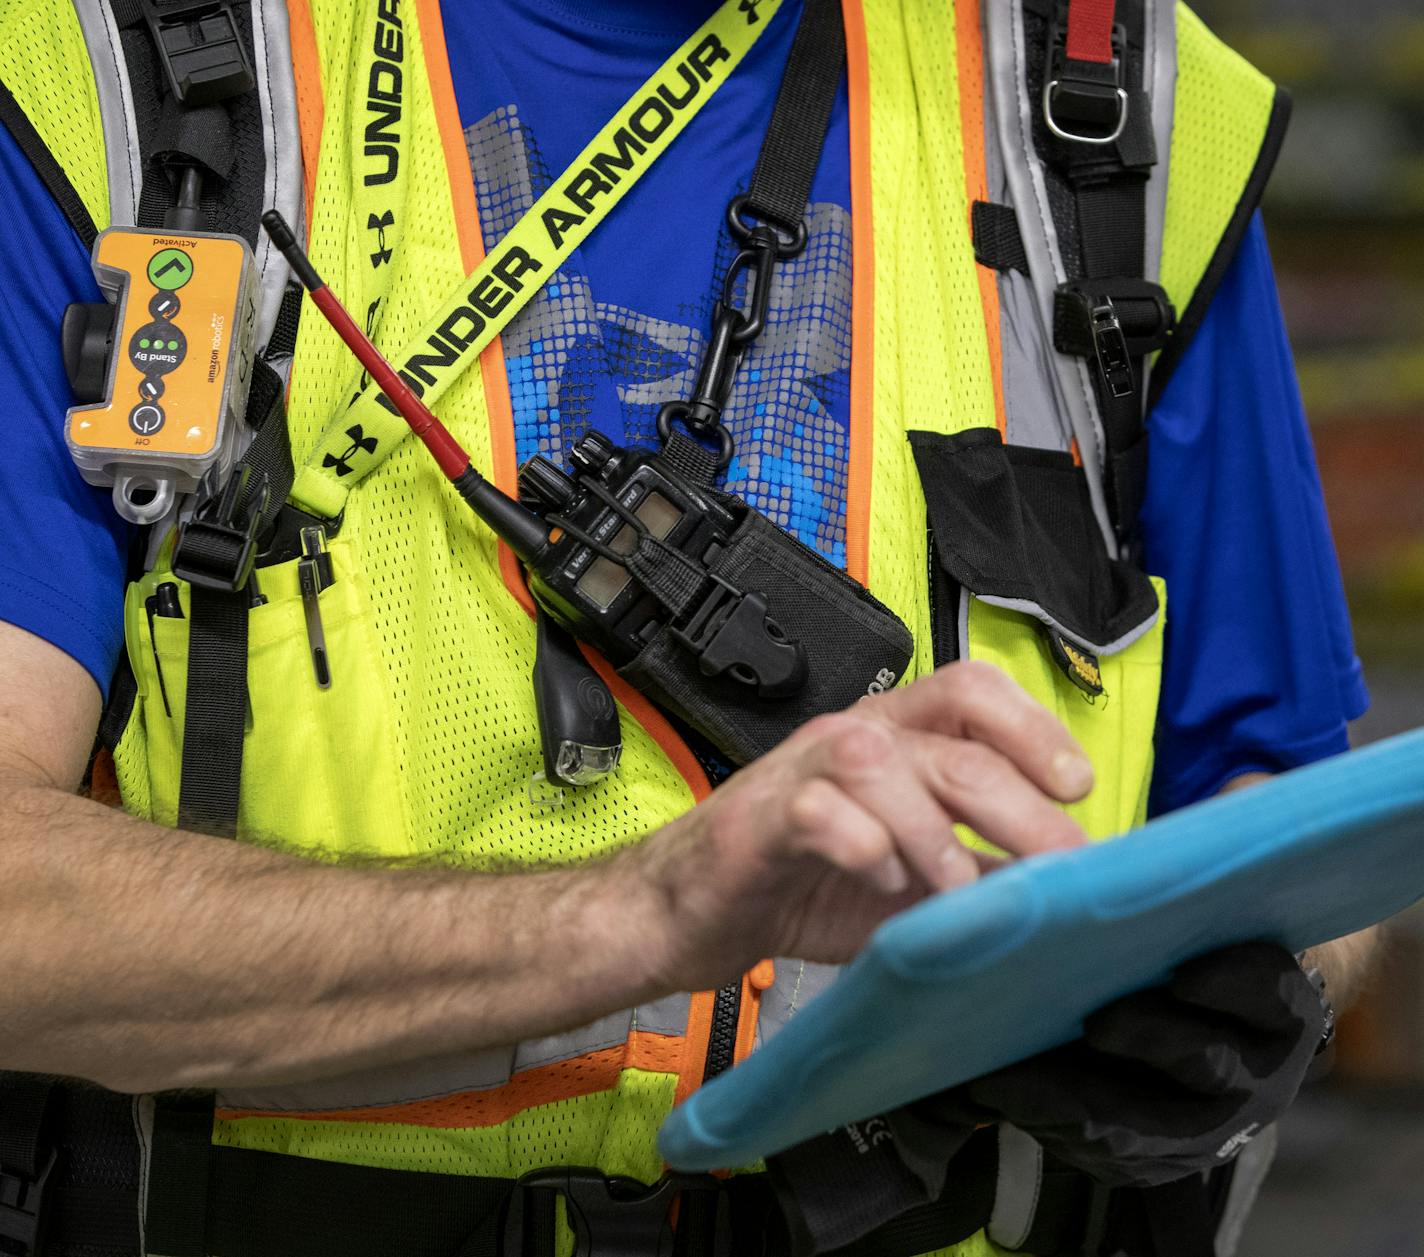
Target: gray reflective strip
{"points": [[143, 1130], [1025, 607], [1017, 1188], [1032, 414], [797, 983], [963, 624], [116, 109], [456, 1073], [1072, 393], [1252, 1164], [282, 145]]}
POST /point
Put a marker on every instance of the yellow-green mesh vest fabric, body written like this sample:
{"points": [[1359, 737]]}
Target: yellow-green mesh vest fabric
{"points": [[424, 746], [1224, 105], [44, 61]]}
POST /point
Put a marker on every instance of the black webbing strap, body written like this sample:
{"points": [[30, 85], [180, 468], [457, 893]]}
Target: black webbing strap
{"points": [[27, 1159], [224, 138], [180, 1177], [998, 242], [68, 1169], [240, 1202], [786, 165], [24, 1109], [215, 708], [1075, 1216], [1109, 184], [215, 712], [1180, 1218], [282, 343]]}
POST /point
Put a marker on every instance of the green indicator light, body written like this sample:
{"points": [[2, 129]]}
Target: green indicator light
{"points": [[143, 344], [172, 344]]}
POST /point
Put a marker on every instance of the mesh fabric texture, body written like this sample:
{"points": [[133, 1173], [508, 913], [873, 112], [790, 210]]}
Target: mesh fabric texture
{"points": [[424, 745], [45, 64]]}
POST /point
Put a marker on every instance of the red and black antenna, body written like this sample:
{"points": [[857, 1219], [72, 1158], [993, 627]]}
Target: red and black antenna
{"points": [[523, 531]]}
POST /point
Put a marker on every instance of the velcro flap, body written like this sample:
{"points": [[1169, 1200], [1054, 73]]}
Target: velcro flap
{"points": [[1015, 527]]}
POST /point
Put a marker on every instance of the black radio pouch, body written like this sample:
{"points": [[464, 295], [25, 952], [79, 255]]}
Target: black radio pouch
{"points": [[854, 644]]}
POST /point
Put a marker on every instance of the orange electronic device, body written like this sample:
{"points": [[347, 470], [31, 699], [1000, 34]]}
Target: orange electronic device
{"points": [[166, 363]]}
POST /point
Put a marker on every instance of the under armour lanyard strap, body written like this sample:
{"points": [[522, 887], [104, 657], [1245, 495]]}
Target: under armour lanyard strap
{"points": [[529, 256]]}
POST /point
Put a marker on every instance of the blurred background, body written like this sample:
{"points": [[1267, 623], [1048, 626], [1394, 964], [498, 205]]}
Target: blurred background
{"points": [[1346, 218]]}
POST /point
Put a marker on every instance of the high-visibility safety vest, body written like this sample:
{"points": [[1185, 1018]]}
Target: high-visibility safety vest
{"points": [[424, 746]]}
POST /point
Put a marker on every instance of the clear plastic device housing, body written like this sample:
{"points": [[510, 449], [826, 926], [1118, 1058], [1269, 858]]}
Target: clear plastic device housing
{"points": [[179, 366]]}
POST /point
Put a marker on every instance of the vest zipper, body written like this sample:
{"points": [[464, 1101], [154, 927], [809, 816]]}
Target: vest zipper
{"points": [[722, 1040]]}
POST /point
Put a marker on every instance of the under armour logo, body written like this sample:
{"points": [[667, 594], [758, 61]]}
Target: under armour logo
{"points": [[749, 7], [360, 443], [379, 222]]}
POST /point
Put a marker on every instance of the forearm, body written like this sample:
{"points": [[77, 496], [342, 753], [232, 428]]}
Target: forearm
{"points": [[146, 958], [1345, 964]]}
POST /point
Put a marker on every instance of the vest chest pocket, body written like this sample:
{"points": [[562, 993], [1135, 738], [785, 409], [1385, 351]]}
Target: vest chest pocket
{"points": [[1032, 589], [320, 770]]}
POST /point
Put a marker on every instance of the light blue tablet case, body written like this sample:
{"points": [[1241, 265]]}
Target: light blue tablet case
{"points": [[977, 978]]}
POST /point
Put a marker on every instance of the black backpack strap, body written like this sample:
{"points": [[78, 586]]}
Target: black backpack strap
{"points": [[216, 554], [791, 151], [195, 97], [1095, 133]]}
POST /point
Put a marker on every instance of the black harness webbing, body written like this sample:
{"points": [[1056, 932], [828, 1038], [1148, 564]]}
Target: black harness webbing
{"points": [[206, 1199], [68, 1169], [1106, 312], [786, 165], [215, 709], [223, 138]]}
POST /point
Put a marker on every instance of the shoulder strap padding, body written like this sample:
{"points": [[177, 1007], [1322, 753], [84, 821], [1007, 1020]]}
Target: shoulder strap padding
{"points": [[44, 65], [1227, 129]]}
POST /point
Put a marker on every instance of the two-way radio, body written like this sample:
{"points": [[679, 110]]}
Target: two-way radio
{"points": [[702, 603]]}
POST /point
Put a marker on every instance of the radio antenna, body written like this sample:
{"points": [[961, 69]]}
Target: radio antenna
{"points": [[522, 530]]}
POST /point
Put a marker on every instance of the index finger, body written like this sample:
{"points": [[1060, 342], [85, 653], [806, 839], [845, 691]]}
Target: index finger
{"points": [[978, 702]]}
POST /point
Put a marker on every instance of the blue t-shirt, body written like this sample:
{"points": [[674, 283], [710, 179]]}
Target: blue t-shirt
{"points": [[1260, 668]]}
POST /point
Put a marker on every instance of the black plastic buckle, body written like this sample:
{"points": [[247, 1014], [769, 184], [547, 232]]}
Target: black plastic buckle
{"points": [[702, 413], [1144, 315], [23, 1213], [202, 53], [610, 1216], [218, 547], [732, 634], [1085, 102], [1110, 347]]}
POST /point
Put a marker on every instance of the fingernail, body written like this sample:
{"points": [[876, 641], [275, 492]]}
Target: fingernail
{"points": [[957, 867], [892, 876], [1072, 774]]}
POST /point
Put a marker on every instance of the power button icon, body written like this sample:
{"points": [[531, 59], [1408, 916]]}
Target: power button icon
{"points": [[146, 419]]}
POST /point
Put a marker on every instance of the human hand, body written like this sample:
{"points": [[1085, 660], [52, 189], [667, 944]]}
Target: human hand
{"points": [[852, 818], [1166, 1082]]}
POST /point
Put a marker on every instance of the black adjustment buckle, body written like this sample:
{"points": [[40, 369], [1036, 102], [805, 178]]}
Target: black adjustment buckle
{"points": [[218, 548], [732, 634], [202, 53], [23, 1212], [612, 1216], [1110, 348], [1144, 314], [1085, 102]]}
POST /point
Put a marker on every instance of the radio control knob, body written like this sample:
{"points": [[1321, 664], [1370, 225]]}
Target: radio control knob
{"points": [[543, 487], [592, 452]]}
